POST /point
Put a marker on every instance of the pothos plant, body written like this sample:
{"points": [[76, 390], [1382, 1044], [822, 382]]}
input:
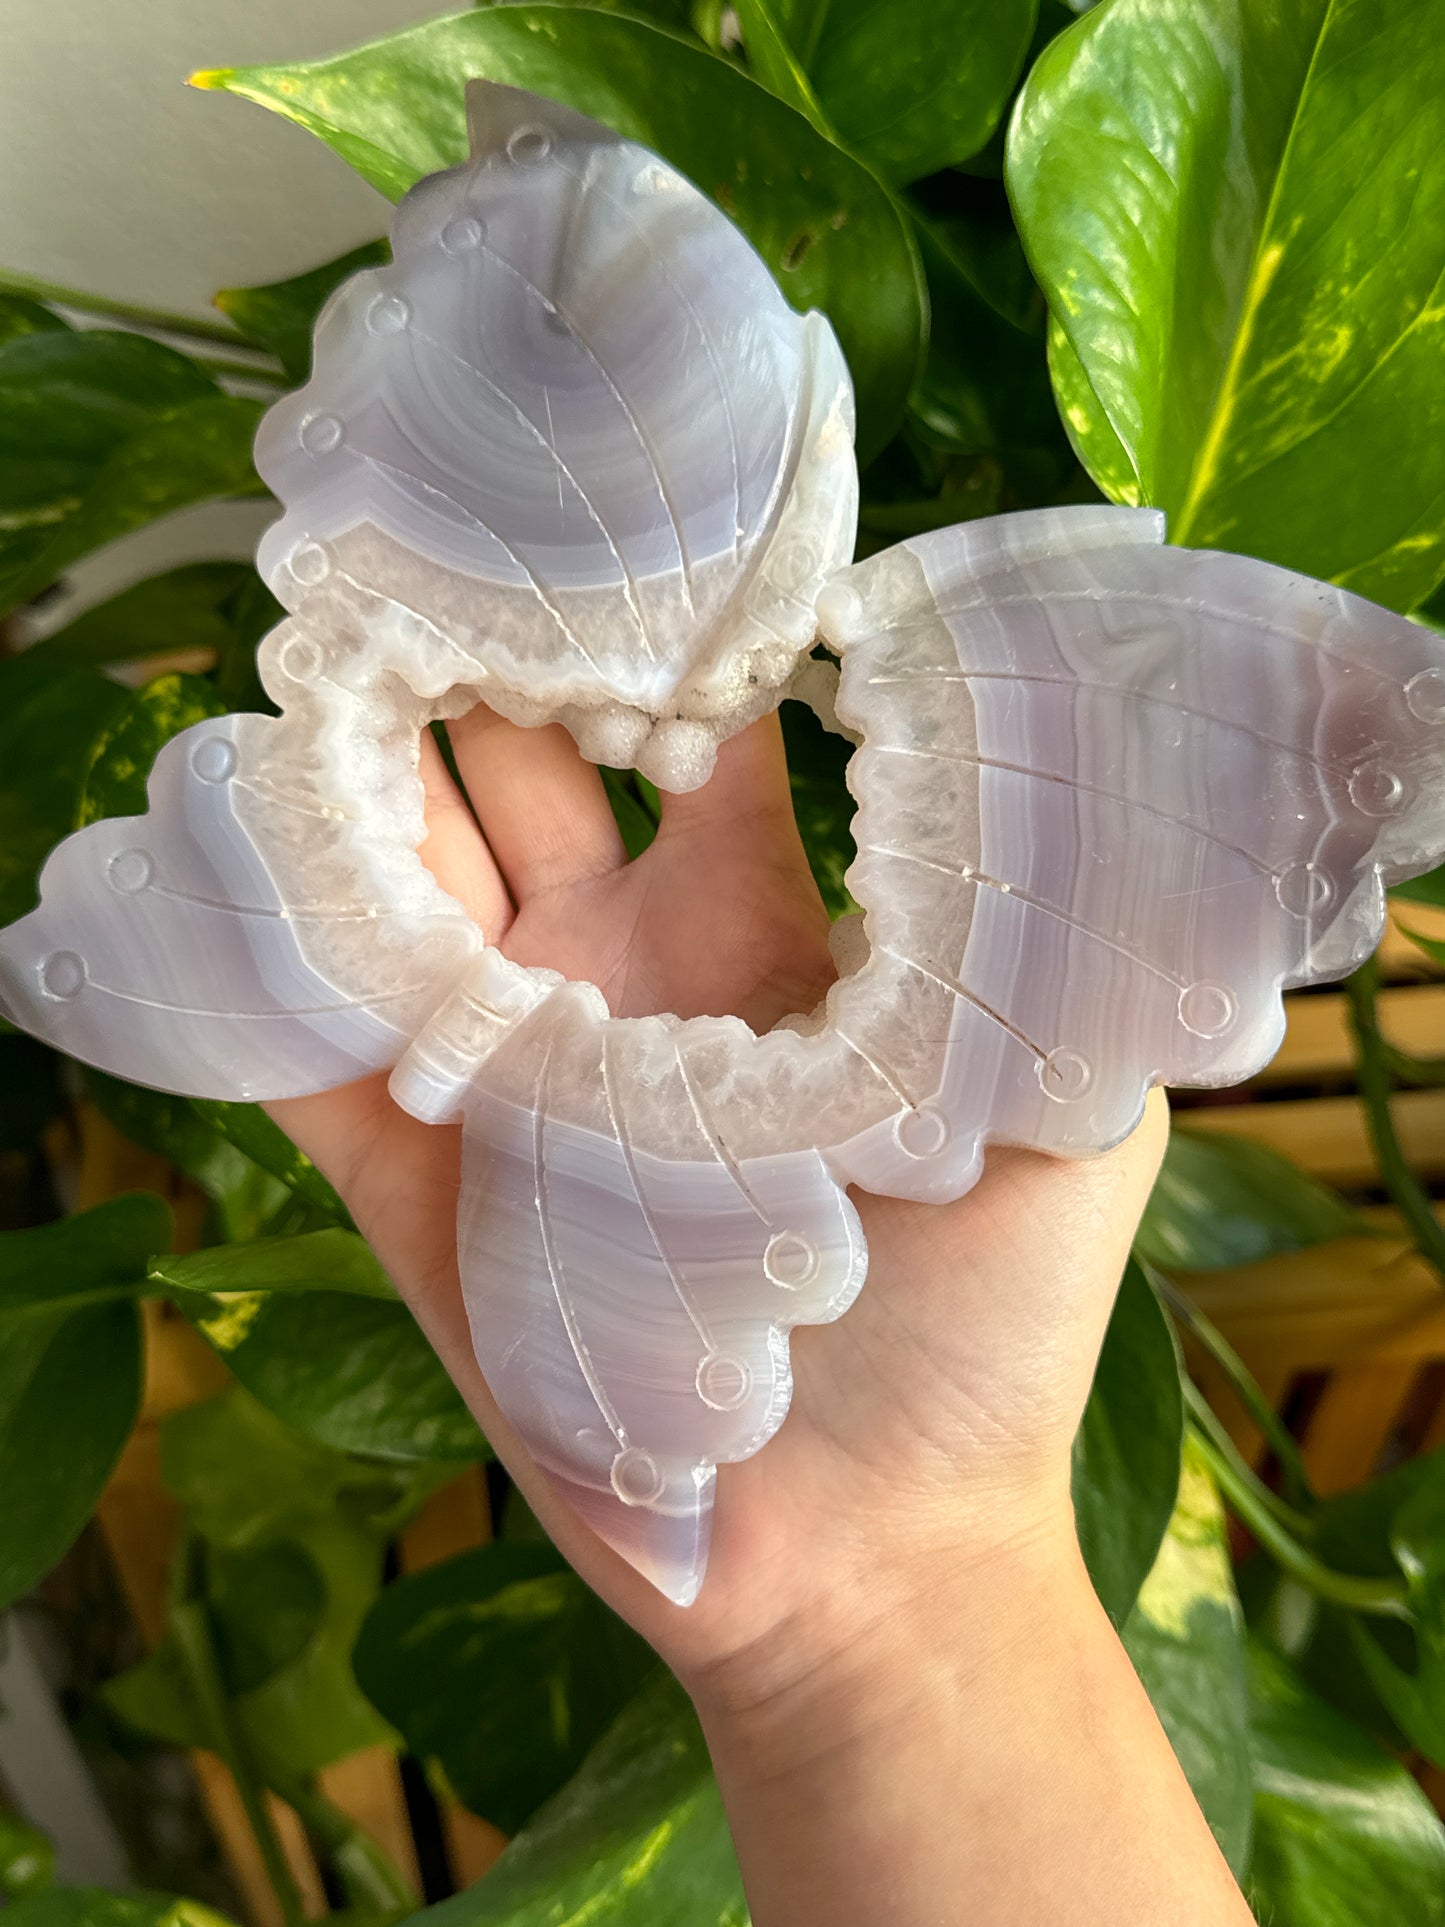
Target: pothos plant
{"points": [[1185, 253]]}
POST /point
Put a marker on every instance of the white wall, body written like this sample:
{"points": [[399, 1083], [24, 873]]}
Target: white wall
{"points": [[118, 178]]}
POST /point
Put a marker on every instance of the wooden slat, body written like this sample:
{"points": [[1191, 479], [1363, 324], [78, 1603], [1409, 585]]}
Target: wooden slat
{"points": [[1353, 1421], [1329, 1136], [367, 1788], [1357, 1300], [1317, 1042]]}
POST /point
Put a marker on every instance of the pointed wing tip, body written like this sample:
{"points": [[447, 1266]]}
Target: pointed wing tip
{"points": [[666, 1542]]}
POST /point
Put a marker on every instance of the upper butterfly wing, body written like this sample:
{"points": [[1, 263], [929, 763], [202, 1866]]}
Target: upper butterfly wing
{"points": [[1114, 798]]}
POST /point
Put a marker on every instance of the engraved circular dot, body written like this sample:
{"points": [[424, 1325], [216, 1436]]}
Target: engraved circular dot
{"points": [[214, 759], [63, 975], [922, 1133], [791, 1260], [309, 564], [388, 315], [723, 1382], [636, 1478], [130, 871], [529, 147], [840, 611], [320, 434], [1425, 695], [302, 659], [1065, 1074], [1207, 1010], [463, 233], [1303, 889], [1375, 789]]}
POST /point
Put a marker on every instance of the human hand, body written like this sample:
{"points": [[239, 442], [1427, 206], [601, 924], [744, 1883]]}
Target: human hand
{"points": [[932, 1422]]}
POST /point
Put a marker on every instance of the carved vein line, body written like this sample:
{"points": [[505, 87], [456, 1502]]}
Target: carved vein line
{"points": [[619, 1131], [371, 1001], [430, 488], [1072, 783], [723, 1154], [967, 874], [629, 585], [559, 1290], [1117, 689], [644, 440], [599, 192], [966, 995], [878, 1068]]}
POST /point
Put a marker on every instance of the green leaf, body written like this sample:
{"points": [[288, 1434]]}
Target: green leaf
{"points": [[282, 315], [19, 315], [94, 1907], [100, 433], [244, 1196], [325, 1261], [249, 1130], [1186, 1639], [1343, 1837], [635, 822], [638, 1835], [27, 1857], [70, 1373], [246, 1484], [822, 803], [50, 718], [313, 1329], [1127, 1451], [823, 223], [183, 609], [912, 89], [501, 1668], [1429, 888], [1236, 213], [1221, 1200], [115, 784]]}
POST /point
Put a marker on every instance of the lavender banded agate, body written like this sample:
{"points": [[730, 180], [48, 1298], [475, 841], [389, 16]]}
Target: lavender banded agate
{"points": [[572, 454]]}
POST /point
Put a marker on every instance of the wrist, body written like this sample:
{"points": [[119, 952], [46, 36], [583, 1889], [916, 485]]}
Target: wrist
{"points": [[922, 1634]]}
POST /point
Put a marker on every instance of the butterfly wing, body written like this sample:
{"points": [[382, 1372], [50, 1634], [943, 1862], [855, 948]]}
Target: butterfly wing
{"points": [[630, 1283], [1114, 798], [235, 942]]}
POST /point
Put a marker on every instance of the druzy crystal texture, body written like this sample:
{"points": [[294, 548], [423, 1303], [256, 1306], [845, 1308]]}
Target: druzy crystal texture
{"points": [[572, 454]]}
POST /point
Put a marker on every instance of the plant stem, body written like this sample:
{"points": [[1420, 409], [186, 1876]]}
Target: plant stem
{"points": [[1246, 1386], [190, 1627], [371, 1878], [1409, 1196], [165, 320], [1206, 1420], [1382, 1598]]}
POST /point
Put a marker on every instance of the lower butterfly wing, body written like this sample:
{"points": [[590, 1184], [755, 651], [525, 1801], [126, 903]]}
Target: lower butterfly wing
{"points": [[1114, 798], [630, 1285], [229, 944]]}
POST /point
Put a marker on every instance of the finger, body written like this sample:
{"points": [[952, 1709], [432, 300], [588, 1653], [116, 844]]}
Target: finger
{"points": [[455, 850], [749, 785], [541, 804]]}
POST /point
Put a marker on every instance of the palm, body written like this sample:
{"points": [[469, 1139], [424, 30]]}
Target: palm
{"points": [[958, 1372]]}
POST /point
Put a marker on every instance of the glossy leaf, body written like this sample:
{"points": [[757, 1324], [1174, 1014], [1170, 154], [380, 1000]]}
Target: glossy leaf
{"points": [[27, 1857], [70, 1367], [247, 1484], [1343, 1837], [822, 804], [50, 719], [244, 1197], [1186, 1639], [102, 432], [182, 609], [1127, 1452], [325, 1261], [1429, 888], [249, 1130], [500, 1668], [1221, 1200], [637, 1835], [282, 314], [1236, 213], [19, 315], [833, 236], [95, 1907], [115, 784], [912, 89]]}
